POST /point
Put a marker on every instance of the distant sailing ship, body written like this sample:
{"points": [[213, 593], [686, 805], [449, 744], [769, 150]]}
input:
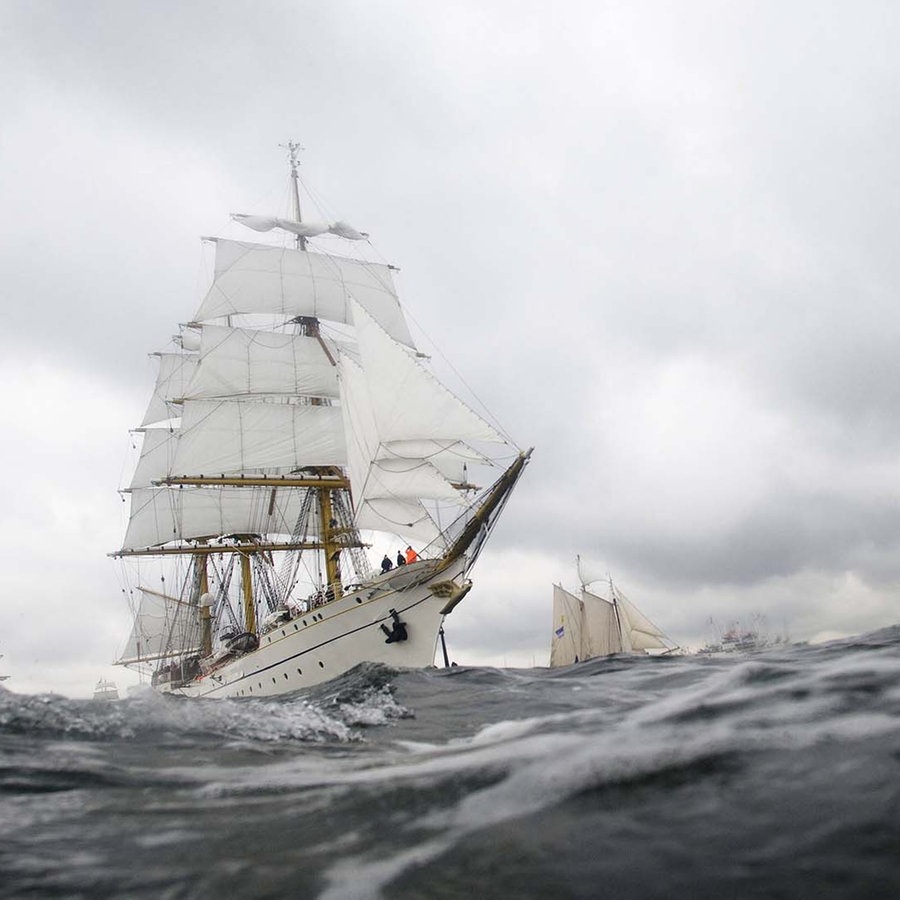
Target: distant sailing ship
{"points": [[590, 625], [106, 691], [296, 426]]}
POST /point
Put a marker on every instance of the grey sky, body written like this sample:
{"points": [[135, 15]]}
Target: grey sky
{"points": [[657, 240]]}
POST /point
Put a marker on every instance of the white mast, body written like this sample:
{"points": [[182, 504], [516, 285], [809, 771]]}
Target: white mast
{"points": [[294, 149]]}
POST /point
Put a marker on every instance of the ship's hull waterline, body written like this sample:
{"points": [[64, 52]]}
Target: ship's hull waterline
{"points": [[331, 639]]}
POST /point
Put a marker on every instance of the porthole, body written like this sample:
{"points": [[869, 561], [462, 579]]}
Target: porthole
{"points": [[295, 627], [359, 599], [321, 664], [285, 676], [273, 680], [299, 671]]}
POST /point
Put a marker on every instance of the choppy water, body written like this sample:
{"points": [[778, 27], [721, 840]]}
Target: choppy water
{"points": [[771, 776]]}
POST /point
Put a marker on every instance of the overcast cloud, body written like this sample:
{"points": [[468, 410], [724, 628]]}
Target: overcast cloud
{"points": [[658, 240]]}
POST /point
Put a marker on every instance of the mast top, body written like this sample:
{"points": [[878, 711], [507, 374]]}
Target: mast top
{"points": [[294, 149]]}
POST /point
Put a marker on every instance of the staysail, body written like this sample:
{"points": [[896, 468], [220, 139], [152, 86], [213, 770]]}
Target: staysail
{"points": [[638, 630]]}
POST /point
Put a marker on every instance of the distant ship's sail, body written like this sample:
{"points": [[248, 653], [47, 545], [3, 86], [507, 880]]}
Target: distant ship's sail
{"points": [[590, 626], [639, 633], [567, 644]]}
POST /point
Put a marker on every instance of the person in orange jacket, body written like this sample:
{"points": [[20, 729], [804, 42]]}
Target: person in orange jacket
{"points": [[411, 555]]}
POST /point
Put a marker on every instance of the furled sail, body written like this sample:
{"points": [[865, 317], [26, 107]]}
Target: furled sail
{"points": [[303, 229], [257, 278], [163, 627]]}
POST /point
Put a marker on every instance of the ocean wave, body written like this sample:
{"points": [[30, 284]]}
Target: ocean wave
{"points": [[679, 775]]}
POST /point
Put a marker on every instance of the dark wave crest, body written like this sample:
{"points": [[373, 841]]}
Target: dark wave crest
{"points": [[774, 775]]}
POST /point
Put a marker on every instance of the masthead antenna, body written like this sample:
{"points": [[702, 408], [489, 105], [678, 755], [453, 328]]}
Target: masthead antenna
{"points": [[294, 149]]}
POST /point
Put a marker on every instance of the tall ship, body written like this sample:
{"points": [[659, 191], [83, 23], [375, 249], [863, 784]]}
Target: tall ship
{"points": [[588, 625], [309, 494], [105, 691]]}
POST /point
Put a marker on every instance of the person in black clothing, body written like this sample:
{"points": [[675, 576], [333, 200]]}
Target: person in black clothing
{"points": [[401, 561], [386, 564]]}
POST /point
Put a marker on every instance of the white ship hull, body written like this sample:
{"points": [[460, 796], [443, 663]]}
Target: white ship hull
{"points": [[327, 641]]}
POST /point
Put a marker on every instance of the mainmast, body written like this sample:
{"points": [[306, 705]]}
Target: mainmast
{"points": [[328, 525], [294, 149]]}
